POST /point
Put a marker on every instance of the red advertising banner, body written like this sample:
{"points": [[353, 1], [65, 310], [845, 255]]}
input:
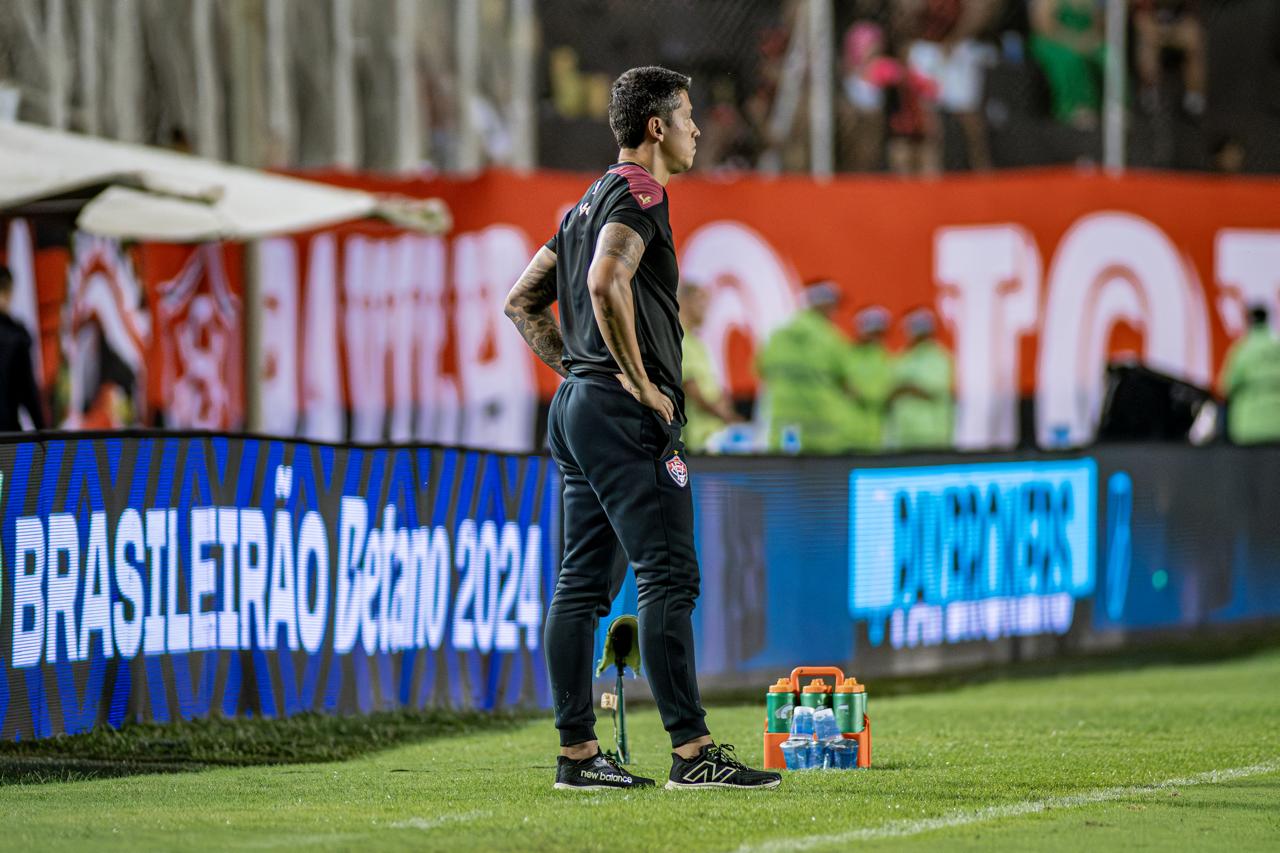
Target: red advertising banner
{"points": [[369, 333], [137, 334], [1038, 277]]}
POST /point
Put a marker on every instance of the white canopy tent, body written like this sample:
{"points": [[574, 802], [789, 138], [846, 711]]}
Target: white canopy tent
{"points": [[165, 196]]}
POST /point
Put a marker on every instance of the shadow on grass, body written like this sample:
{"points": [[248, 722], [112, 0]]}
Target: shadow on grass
{"points": [[202, 744]]}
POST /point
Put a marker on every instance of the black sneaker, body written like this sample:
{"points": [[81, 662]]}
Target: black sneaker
{"points": [[715, 767], [598, 773]]}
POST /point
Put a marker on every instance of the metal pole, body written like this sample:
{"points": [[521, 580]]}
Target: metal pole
{"points": [[247, 47], [208, 141], [1113, 140], [56, 60], [280, 146], [408, 153], [125, 108], [524, 74], [821, 93], [624, 750], [345, 150], [467, 22], [88, 66]]}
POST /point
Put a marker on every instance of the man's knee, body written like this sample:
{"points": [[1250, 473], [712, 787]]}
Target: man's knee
{"points": [[681, 582], [581, 593]]}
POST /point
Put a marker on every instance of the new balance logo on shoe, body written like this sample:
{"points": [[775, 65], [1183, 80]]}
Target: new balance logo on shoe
{"points": [[708, 771], [716, 767], [598, 773]]}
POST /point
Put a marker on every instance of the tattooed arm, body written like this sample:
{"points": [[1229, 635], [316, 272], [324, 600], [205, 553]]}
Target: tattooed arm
{"points": [[618, 253], [529, 307]]}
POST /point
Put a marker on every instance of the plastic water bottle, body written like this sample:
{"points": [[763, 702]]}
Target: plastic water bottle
{"points": [[825, 725], [795, 751], [815, 755], [802, 723], [840, 755]]}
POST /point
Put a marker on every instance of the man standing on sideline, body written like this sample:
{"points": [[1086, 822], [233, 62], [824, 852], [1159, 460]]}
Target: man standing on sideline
{"points": [[614, 431], [706, 406], [1251, 383], [17, 379]]}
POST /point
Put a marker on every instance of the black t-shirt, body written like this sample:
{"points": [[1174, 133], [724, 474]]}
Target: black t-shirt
{"points": [[629, 195]]}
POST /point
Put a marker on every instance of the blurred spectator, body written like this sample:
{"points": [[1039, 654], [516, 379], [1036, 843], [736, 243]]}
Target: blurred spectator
{"points": [[1067, 42], [574, 93], [774, 109], [1250, 382], [914, 135], [869, 374], [18, 388], [1228, 155], [727, 141], [1169, 25], [944, 50], [803, 366], [921, 406], [866, 71], [707, 408]]}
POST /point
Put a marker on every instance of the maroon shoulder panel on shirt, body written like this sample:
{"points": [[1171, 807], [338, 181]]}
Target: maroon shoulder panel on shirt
{"points": [[645, 189]]}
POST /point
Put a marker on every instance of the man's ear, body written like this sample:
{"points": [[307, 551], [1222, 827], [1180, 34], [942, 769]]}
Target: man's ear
{"points": [[656, 128]]}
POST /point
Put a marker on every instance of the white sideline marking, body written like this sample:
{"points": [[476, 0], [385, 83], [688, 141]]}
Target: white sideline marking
{"points": [[904, 828]]}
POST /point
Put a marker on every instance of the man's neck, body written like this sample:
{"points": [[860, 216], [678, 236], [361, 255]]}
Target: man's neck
{"points": [[646, 156]]}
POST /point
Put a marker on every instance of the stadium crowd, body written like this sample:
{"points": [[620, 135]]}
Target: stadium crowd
{"points": [[925, 86]]}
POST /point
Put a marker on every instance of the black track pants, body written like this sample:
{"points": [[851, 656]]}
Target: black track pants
{"points": [[621, 495]]}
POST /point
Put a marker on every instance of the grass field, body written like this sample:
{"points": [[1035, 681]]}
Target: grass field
{"points": [[1152, 758]]}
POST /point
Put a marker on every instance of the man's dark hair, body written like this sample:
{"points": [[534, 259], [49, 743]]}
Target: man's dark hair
{"points": [[1258, 315], [640, 94], [6, 279]]}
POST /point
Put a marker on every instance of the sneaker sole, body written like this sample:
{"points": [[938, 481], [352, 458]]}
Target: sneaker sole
{"points": [[565, 786], [693, 786]]}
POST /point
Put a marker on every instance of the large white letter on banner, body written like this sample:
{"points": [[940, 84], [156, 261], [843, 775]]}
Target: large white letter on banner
{"points": [[1248, 271], [438, 418], [322, 403], [752, 291], [498, 389], [989, 278], [1111, 268], [364, 281], [277, 317]]}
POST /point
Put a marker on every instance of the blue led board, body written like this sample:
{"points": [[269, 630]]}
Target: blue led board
{"points": [[178, 577], [967, 552]]}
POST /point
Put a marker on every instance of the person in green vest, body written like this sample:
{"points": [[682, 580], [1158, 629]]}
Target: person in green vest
{"points": [[707, 408], [803, 365], [921, 409], [1251, 383], [869, 376]]}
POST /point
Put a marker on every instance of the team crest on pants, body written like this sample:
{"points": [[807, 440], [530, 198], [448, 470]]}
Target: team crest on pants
{"points": [[678, 470]]}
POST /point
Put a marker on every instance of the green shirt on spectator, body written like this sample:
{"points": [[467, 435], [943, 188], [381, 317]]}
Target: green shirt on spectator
{"points": [[1251, 383], [916, 422], [700, 424], [870, 374], [803, 365]]}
